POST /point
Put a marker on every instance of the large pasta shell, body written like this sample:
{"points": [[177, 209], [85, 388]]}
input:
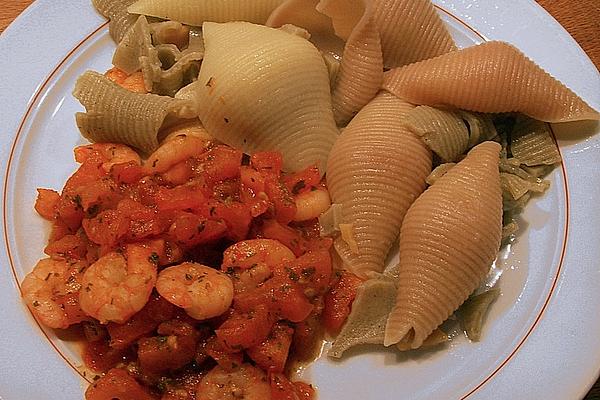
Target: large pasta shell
{"points": [[376, 169], [490, 77], [449, 238], [196, 12], [265, 89]]}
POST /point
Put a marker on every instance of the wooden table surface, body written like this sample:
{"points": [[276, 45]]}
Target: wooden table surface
{"points": [[581, 18]]}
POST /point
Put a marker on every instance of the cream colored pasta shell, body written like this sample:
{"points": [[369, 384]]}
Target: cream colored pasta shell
{"points": [[196, 12], [114, 114], [376, 169], [116, 12], [361, 71], [444, 131], [303, 13], [449, 238], [265, 89], [532, 143], [490, 77]]}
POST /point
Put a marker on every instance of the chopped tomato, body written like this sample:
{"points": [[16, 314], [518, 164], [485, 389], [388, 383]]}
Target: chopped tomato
{"points": [[100, 357], [272, 353], [117, 384], [107, 228], [127, 173], [214, 349], [338, 301], [116, 75], [180, 198], [46, 203], [157, 310], [302, 181], [313, 270], [245, 329], [283, 202], [236, 216], [272, 229], [190, 230], [172, 350], [221, 162], [68, 247], [267, 162]]}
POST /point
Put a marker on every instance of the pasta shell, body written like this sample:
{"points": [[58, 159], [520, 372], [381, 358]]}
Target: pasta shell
{"points": [[265, 89], [449, 238], [361, 71], [117, 115], [532, 143], [303, 13], [196, 12], [411, 31], [376, 169], [116, 12], [444, 131], [490, 77]]}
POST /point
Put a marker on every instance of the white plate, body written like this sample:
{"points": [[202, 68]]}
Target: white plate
{"points": [[541, 340]]}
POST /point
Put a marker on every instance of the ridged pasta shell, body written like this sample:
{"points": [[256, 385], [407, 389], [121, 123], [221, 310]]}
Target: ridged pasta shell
{"points": [[532, 143], [265, 89], [114, 114], [376, 169], [196, 12], [444, 131], [490, 77], [410, 30], [449, 238], [116, 12], [361, 71]]}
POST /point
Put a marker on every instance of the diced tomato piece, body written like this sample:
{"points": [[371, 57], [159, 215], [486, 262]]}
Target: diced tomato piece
{"points": [[88, 172], [308, 334], [283, 202], [70, 305], [281, 295], [214, 349], [70, 211], [107, 228], [171, 351], [243, 330], [338, 301], [253, 191], [283, 389], [134, 83], [313, 270], [267, 162], [100, 357], [235, 215], [272, 353], [68, 247], [290, 237], [46, 203], [302, 181], [144, 221], [59, 230], [227, 190], [191, 230], [222, 162], [127, 173], [104, 192], [117, 384], [179, 198], [157, 310]]}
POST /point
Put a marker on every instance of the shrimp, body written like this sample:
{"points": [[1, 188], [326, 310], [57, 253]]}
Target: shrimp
{"points": [[184, 141], [50, 291], [250, 253], [116, 287], [247, 383], [311, 204], [110, 154], [201, 291]]}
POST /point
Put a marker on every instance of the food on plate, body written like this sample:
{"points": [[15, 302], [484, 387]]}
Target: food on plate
{"points": [[263, 88], [376, 169], [187, 247], [478, 78], [449, 238], [193, 12]]}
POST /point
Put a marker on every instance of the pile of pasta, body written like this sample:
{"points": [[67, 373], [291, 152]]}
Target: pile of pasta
{"points": [[423, 144]]}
